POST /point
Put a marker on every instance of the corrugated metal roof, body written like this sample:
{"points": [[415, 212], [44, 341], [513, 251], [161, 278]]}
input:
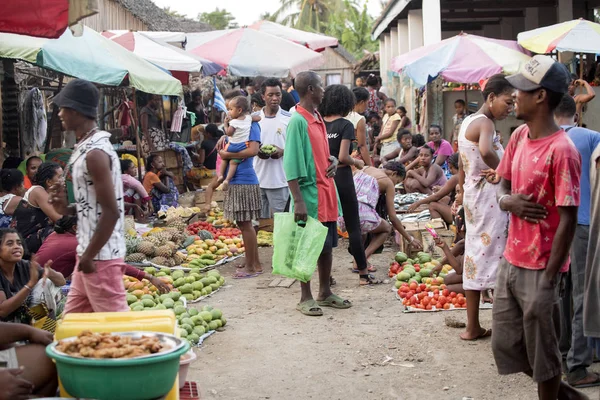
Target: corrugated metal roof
{"points": [[388, 15]]}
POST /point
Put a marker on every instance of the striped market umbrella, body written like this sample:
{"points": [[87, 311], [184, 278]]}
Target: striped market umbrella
{"points": [[463, 58], [162, 54], [248, 52], [578, 36], [313, 41], [90, 56]]}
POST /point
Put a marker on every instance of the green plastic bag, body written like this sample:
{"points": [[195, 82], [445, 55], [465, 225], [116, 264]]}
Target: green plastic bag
{"points": [[296, 248]]}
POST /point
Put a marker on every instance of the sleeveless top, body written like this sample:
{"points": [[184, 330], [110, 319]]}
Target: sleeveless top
{"points": [[88, 208], [31, 222], [5, 220]]}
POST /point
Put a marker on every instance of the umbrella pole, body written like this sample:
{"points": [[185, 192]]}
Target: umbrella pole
{"points": [[580, 65], [138, 146]]}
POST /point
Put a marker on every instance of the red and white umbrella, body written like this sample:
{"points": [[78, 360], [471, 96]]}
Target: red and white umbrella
{"points": [[248, 52], [313, 41]]}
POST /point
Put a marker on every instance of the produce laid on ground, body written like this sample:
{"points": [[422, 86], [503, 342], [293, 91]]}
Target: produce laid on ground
{"points": [[417, 286], [194, 323], [142, 295], [264, 239], [206, 243]]}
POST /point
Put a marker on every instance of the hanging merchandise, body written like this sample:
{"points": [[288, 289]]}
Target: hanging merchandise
{"points": [[178, 119], [35, 123]]}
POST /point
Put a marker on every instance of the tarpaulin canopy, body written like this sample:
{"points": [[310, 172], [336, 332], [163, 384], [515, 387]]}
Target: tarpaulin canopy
{"points": [[463, 58], [313, 41], [579, 36], [91, 57], [162, 54], [43, 18], [248, 52]]}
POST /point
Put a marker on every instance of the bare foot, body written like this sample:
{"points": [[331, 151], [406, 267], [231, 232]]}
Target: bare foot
{"points": [[482, 333], [225, 185], [258, 268]]}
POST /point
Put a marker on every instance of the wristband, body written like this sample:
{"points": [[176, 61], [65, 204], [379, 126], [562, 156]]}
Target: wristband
{"points": [[500, 200], [27, 286]]}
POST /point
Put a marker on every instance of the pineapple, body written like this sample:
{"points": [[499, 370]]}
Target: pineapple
{"points": [[135, 258], [146, 247], [173, 246], [131, 244], [156, 242], [179, 258], [159, 261], [164, 251]]}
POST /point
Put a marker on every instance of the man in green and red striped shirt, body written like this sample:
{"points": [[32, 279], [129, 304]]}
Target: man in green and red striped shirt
{"points": [[309, 170]]}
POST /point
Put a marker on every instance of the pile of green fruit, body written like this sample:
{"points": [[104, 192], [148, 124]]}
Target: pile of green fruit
{"points": [[168, 301], [268, 149], [194, 284], [194, 323]]}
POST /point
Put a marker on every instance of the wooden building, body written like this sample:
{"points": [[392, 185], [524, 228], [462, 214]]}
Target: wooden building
{"points": [[338, 67], [138, 15]]}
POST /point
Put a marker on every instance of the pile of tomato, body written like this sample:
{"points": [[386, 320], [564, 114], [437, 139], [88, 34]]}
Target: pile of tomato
{"points": [[422, 297], [202, 226], [229, 233]]}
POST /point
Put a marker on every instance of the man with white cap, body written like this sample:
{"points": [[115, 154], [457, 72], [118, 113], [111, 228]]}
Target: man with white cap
{"points": [[540, 174]]}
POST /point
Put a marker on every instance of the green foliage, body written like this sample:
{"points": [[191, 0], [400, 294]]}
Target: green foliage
{"points": [[219, 19], [352, 27]]}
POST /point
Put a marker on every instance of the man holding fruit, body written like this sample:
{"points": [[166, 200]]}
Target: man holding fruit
{"points": [[269, 164]]}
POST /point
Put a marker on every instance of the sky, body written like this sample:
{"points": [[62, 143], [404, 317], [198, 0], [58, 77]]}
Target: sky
{"points": [[246, 12]]}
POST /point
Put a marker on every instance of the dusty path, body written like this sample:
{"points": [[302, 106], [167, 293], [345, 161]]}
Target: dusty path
{"points": [[370, 351]]}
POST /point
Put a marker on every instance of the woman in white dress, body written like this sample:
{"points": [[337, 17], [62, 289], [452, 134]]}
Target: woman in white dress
{"points": [[487, 225]]}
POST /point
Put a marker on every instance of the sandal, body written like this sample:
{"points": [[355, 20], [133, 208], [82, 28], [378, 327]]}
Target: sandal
{"points": [[368, 280], [242, 274], [335, 301], [310, 308], [369, 269], [593, 383], [484, 334]]}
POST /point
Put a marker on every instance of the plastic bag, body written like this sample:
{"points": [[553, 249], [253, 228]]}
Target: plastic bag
{"points": [[296, 248]]}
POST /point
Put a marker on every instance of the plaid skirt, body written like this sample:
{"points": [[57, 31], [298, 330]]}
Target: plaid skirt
{"points": [[242, 203]]}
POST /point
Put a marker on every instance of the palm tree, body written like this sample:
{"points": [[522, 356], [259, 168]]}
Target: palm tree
{"points": [[353, 28], [310, 15]]}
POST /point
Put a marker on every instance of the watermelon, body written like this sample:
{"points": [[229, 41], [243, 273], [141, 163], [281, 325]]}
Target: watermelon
{"points": [[205, 235]]}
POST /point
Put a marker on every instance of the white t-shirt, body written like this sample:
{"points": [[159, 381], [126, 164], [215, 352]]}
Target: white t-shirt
{"points": [[272, 131], [355, 118], [242, 129]]}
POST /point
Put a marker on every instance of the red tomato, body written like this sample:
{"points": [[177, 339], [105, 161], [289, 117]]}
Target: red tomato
{"points": [[410, 293], [462, 300], [421, 295], [417, 268], [453, 294], [446, 306], [436, 291], [413, 286], [402, 294], [418, 290], [445, 292], [413, 300], [428, 307], [426, 300], [423, 286], [421, 306], [436, 297], [443, 299], [404, 288]]}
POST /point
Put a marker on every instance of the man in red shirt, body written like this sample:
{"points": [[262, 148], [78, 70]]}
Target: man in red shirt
{"points": [[540, 174]]}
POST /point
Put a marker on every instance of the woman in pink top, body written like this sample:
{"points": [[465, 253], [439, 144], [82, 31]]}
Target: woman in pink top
{"points": [[137, 200]]}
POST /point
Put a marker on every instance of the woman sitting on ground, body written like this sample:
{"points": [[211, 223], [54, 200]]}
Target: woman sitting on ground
{"points": [[29, 371], [440, 202], [442, 149], [136, 198], [18, 279], [405, 122], [34, 216], [159, 183], [427, 176], [406, 153], [11, 193]]}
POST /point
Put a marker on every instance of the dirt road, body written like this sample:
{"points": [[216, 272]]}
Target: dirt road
{"points": [[370, 351]]}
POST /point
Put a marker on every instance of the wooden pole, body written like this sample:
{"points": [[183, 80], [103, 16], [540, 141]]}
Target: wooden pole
{"points": [[138, 147], [580, 65]]}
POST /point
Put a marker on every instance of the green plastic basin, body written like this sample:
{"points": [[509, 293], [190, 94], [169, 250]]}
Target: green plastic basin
{"points": [[143, 378]]}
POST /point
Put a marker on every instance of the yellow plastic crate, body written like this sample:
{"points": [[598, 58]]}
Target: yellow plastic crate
{"points": [[149, 321]]}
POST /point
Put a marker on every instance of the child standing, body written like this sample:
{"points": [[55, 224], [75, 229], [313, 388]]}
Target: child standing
{"points": [[237, 128]]}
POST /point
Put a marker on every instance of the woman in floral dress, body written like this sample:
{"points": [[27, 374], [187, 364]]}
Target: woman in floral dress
{"points": [[480, 153]]}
